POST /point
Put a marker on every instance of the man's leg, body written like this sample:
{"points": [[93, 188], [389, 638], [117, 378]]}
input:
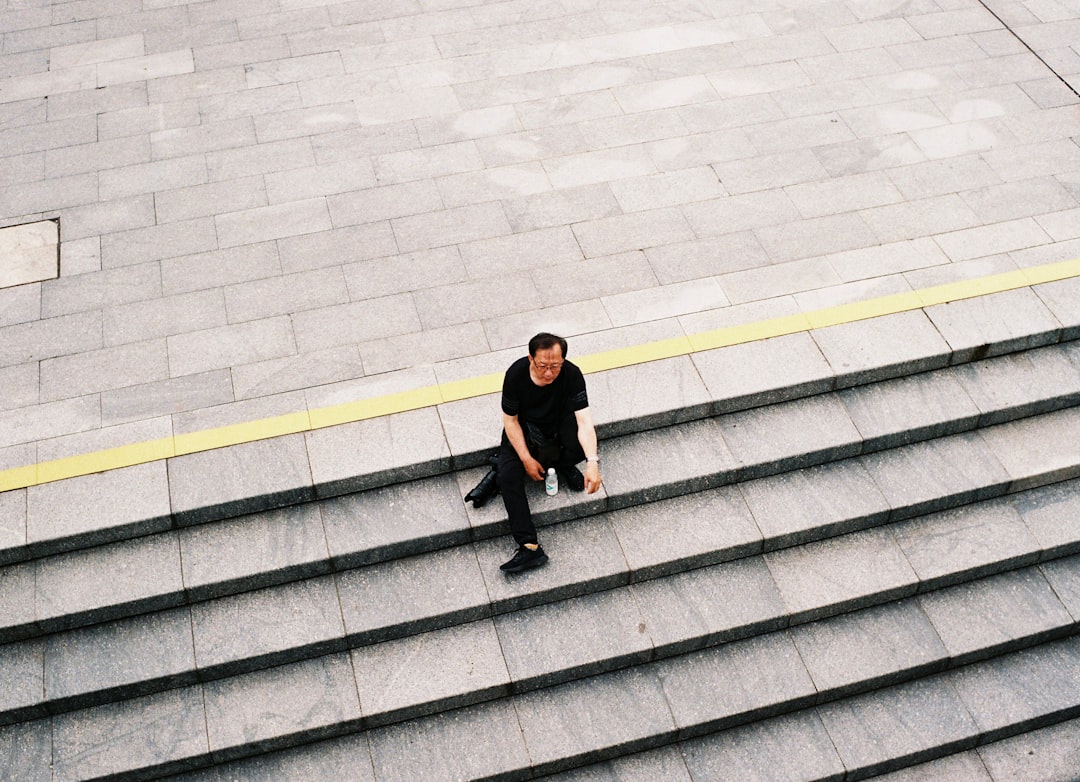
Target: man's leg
{"points": [[570, 455], [512, 488]]}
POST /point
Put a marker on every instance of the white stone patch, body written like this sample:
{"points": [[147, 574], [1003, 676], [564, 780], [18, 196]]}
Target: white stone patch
{"points": [[28, 253]]}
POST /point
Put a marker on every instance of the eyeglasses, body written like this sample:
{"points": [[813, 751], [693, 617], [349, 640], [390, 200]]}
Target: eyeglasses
{"points": [[547, 367]]}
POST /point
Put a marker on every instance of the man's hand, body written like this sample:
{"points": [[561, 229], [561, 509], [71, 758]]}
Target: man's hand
{"points": [[533, 469], [592, 477]]}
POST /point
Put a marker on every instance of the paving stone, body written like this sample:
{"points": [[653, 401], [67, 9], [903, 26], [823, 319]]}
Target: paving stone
{"points": [[155, 733], [293, 373], [877, 646], [284, 295], [790, 435], [429, 672], [909, 409], [205, 271], [668, 301], [794, 746], [887, 729], [473, 428], [676, 534], [124, 659], [571, 639], [409, 750], [866, 351], [751, 679], [412, 595], [966, 543], [844, 573], [1052, 752], [239, 479], [281, 706], [396, 521], [1029, 383], [1052, 513], [708, 606], [652, 465], [802, 505], [929, 476], [22, 682], [40, 339], [281, 624], [1025, 690], [996, 614], [98, 508], [1035, 451], [397, 447], [1060, 298], [585, 556], [253, 551], [104, 369], [17, 606], [27, 749], [594, 719], [994, 324], [764, 372], [144, 575], [646, 396], [148, 401], [162, 317], [225, 346], [664, 763], [346, 758], [12, 526], [476, 300], [1062, 575]]}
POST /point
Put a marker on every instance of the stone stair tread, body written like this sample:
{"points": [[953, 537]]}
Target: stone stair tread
{"points": [[176, 566], [621, 722], [583, 635], [80, 512]]}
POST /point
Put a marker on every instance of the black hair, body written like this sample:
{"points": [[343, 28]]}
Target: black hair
{"points": [[545, 341]]}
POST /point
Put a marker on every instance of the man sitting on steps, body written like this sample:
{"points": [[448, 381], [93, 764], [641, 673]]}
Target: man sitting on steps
{"points": [[546, 423]]}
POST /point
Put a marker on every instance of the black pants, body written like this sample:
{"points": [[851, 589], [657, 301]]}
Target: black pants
{"points": [[512, 477]]}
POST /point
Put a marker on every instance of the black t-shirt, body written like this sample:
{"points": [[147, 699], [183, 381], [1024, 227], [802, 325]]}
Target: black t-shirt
{"points": [[544, 406]]}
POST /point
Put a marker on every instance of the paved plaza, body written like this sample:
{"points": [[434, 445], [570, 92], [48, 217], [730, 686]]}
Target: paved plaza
{"points": [[268, 206]]}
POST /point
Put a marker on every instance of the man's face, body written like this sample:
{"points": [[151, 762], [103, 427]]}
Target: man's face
{"points": [[546, 365]]}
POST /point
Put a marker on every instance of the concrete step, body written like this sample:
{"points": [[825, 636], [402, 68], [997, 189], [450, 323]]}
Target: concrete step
{"points": [[767, 710], [192, 489], [157, 573], [591, 633], [180, 567], [941, 520]]}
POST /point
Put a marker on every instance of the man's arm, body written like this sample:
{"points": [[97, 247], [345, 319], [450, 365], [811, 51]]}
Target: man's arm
{"points": [[516, 436], [586, 434]]}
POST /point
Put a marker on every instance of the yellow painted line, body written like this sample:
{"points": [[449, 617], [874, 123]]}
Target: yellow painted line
{"points": [[969, 289], [19, 477], [363, 409], [750, 332], [639, 354], [1052, 272], [467, 389], [404, 401], [237, 434], [108, 459]]}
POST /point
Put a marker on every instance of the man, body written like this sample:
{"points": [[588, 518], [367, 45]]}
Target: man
{"points": [[546, 423]]}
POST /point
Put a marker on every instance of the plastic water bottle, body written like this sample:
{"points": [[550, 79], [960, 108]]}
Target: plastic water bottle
{"points": [[551, 482]]}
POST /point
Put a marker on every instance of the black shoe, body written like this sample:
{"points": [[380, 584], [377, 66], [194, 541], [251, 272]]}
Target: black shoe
{"points": [[572, 477], [524, 559]]}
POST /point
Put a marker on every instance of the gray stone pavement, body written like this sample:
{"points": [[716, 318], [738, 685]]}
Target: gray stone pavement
{"points": [[268, 205]]}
